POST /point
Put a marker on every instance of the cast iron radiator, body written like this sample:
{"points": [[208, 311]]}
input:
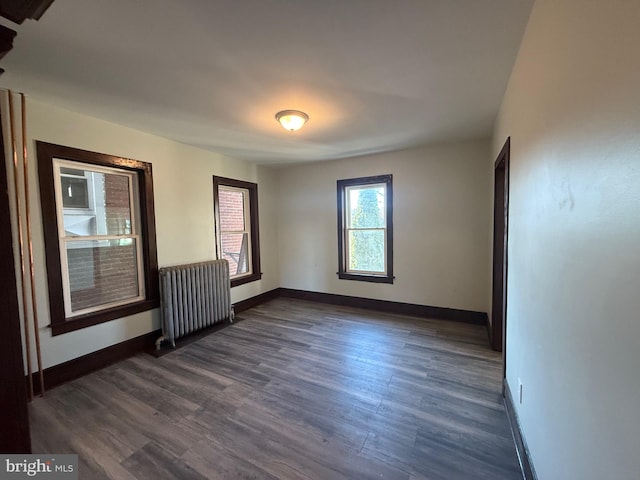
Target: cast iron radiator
{"points": [[193, 297]]}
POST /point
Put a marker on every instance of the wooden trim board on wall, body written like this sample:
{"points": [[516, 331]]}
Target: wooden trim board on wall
{"points": [[423, 311], [243, 305], [500, 260], [67, 371], [80, 366], [528, 472], [14, 419]]}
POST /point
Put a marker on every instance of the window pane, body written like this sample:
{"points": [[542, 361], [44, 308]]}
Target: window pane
{"points": [[74, 192], [102, 272], [101, 204], [235, 248], [231, 210], [366, 250], [366, 207]]}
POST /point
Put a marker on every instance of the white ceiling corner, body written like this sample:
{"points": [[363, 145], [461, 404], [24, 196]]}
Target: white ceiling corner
{"points": [[373, 75]]}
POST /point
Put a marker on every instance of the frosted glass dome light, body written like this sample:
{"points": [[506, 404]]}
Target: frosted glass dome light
{"points": [[292, 120]]}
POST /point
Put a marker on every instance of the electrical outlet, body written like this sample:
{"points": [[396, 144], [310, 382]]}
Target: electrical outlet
{"points": [[520, 391]]}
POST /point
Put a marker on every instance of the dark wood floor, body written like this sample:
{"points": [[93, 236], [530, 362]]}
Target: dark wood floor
{"points": [[294, 390]]}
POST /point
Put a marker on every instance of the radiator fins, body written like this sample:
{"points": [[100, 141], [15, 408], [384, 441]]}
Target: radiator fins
{"points": [[193, 297]]}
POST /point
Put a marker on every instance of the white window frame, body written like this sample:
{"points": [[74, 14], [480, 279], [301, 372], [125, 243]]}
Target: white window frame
{"points": [[247, 229], [65, 239], [348, 228]]}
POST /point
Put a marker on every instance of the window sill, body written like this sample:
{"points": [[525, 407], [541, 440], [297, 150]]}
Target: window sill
{"points": [[366, 278], [248, 279], [91, 319]]}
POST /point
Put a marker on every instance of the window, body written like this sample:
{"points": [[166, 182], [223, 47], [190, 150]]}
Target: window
{"points": [[99, 236], [236, 223], [365, 229], [75, 189]]}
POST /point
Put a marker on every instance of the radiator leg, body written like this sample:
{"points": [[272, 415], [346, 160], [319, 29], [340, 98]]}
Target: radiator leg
{"points": [[232, 317], [159, 341]]}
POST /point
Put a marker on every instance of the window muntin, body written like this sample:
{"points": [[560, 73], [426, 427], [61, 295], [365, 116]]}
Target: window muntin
{"points": [[365, 229], [100, 244], [236, 228]]}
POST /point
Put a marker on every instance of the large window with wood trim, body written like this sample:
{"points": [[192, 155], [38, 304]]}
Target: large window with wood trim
{"points": [[99, 236], [365, 229], [236, 223]]}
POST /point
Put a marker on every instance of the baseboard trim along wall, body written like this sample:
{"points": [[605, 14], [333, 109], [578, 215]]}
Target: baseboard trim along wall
{"points": [[243, 305], [423, 311], [91, 362], [64, 372], [528, 472]]}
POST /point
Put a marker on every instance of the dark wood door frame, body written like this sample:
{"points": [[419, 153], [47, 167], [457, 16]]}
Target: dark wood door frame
{"points": [[14, 416], [500, 259]]}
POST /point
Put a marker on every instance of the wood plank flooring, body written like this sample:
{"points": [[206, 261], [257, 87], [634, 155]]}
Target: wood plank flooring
{"points": [[295, 390]]}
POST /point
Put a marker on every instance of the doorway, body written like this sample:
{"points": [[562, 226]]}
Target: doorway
{"points": [[500, 260]]}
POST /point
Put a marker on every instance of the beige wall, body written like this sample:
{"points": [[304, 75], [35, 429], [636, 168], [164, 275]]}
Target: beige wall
{"points": [[440, 202], [440, 225], [183, 189], [572, 110]]}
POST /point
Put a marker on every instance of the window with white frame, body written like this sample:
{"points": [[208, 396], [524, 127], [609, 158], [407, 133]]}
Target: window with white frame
{"points": [[236, 222], [99, 230], [365, 229], [100, 244]]}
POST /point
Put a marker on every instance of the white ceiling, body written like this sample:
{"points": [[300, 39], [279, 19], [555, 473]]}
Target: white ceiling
{"points": [[373, 75]]}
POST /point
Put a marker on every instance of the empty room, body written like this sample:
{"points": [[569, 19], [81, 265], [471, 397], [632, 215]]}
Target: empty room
{"points": [[279, 239]]}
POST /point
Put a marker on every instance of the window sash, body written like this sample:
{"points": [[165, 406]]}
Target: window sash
{"points": [[246, 214], [347, 243], [66, 276], [347, 208], [58, 164]]}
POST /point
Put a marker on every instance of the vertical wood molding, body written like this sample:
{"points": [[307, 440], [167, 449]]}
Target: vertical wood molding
{"points": [[528, 472], [14, 417], [500, 259]]}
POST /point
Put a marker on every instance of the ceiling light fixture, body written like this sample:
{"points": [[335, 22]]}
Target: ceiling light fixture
{"points": [[292, 120]]}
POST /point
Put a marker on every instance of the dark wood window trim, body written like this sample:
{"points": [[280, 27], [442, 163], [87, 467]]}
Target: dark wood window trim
{"points": [[19, 10], [253, 213], [342, 268], [6, 40], [46, 153]]}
